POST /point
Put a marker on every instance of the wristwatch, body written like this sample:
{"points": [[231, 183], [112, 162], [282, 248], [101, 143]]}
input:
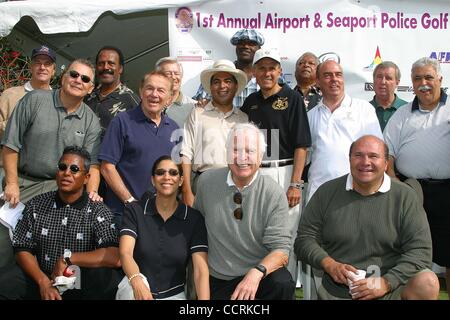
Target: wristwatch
{"points": [[297, 185], [130, 200], [261, 268], [67, 256]]}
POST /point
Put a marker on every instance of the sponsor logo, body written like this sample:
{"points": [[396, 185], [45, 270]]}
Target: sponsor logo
{"points": [[184, 19], [329, 56], [376, 61], [441, 56]]}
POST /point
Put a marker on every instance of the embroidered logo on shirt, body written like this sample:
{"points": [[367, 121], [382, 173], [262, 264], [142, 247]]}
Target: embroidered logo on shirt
{"points": [[64, 221], [28, 235], [100, 219], [44, 232], [113, 226], [280, 104], [254, 107], [79, 236], [46, 257]]}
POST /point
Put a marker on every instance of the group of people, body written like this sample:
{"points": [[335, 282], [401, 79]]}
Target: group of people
{"points": [[170, 197]]}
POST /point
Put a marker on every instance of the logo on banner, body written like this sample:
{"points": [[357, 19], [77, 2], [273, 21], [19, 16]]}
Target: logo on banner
{"points": [[329, 56], [185, 19], [442, 57], [376, 61]]}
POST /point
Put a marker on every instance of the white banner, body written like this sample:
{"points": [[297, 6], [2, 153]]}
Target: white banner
{"points": [[359, 33]]}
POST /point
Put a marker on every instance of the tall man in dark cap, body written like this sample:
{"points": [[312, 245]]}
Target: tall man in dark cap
{"points": [[111, 96], [247, 42]]}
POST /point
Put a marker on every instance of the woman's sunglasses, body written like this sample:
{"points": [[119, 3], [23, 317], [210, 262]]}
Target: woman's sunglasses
{"points": [[73, 168], [172, 172], [75, 74]]}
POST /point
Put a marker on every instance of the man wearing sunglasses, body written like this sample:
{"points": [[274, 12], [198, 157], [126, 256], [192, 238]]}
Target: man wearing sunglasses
{"points": [[63, 228], [42, 68], [41, 126], [246, 216]]}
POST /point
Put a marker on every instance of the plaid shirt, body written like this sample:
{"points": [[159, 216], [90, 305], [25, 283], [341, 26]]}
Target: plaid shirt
{"points": [[49, 226]]}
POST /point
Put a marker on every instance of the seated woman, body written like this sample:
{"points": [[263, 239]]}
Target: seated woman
{"points": [[158, 236]]}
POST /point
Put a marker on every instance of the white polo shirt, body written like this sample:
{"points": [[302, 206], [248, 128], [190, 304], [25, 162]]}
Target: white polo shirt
{"points": [[333, 133], [419, 140]]}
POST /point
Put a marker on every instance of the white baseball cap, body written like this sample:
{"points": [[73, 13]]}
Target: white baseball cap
{"points": [[266, 53]]}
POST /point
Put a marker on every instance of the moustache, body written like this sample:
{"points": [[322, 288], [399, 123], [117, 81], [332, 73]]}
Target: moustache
{"points": [[424, 88], [106, 71]]}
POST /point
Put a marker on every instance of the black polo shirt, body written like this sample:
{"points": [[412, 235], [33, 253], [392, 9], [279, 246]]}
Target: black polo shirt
{"points": [[284, 111], [163, 249]]}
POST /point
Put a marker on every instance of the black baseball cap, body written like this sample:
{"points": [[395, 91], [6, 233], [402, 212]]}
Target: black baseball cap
{"points": [[44, 50]]}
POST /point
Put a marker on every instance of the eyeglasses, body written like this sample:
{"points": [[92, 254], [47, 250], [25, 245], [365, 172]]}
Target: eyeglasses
{"points": [[75, 74], [74, 169], [237, 198], [172, 172]]}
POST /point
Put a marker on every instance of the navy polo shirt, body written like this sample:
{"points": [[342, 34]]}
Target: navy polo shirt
{"points": [[132, 143], [163, 249], [284, 111]]}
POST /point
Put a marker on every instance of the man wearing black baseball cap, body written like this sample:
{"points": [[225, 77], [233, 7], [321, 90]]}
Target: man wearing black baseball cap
{"points": [[42, 68]]}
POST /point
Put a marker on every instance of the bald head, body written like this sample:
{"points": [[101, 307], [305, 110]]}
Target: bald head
{"points": [[330, 79], [372, 140]]}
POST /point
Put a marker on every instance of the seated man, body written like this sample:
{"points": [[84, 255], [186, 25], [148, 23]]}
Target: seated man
{"points": [[246, 216], [364, 220], [60, 228]]}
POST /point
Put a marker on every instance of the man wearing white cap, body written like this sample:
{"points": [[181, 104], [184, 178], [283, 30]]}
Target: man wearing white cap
{"points": [[206, 129], [281, 111], [247, 42]]}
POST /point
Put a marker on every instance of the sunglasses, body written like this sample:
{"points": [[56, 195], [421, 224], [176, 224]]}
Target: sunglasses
{"points": [[237, 198], [172, 172], [75, 74], [73, 168]]}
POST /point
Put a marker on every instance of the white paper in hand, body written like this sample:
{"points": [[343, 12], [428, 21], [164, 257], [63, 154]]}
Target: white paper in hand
{"points": [[10, 216]]}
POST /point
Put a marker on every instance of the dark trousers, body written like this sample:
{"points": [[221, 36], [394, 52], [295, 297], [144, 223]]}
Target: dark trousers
{"points": [[437, 206], [278, 285], [96, 284]]}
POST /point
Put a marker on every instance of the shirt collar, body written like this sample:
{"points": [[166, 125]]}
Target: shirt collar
{"points": [[150, 208], [140, 116], [442, 101], [394, 104], [231, 183], [79, 204], [210, 107], [385, 186], [28, 87], [58, 104], [179, 99], [282, 93]]}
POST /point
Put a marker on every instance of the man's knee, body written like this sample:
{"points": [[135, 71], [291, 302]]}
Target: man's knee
{"points": [[423, 286], [281, 283]]}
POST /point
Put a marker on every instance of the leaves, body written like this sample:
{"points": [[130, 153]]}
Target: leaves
{"points": [[14, 66]]}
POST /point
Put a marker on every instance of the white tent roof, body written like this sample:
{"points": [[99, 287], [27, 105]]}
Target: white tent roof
{"points": [[56, 16]]}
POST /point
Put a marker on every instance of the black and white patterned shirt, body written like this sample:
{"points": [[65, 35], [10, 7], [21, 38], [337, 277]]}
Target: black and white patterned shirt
{"points": [[49, 226]]}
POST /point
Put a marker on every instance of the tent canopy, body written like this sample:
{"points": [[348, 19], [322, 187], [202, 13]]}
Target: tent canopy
{"points": [[77, 29]]}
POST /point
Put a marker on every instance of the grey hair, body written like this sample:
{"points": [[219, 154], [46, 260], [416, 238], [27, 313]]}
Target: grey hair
{"points": [[385, 65], [168, 60], [316, 59], [425, 61], [238, 130]]}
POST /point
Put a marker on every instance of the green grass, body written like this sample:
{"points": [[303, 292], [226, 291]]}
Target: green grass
{"points": [[442, 294]]}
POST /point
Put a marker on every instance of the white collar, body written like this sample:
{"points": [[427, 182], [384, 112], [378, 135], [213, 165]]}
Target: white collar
{"points": [[385, 186], [231, 183], [28, 87]]}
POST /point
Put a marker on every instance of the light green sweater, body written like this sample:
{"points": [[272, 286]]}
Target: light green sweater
{"points": [[237, 246], [386, 230]]}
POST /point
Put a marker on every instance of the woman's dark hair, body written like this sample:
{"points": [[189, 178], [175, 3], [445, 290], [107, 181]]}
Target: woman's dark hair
{"points": [[163, 158], [81, 152]]}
